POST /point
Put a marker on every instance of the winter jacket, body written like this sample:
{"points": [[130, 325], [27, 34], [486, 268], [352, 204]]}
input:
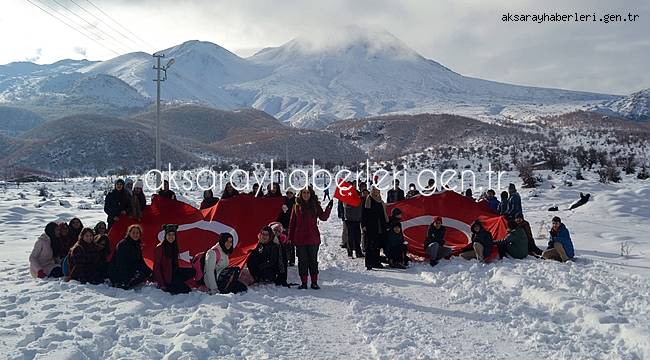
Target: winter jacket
{"points": [[340, 210], [353, 213], [42, 257], [127, 261], [215, 261], [209, 202], [514, 205], [165, 263], [502, 208], [374, 219], [395, 195], [517, 243], [435, 236], [493, 202], [564, 238], [394, 245], [303, 226], [138, 202], [484, 238], [285, 216], [167, 194], [412, 193], [86, 261], [264, 262], [116, 202]]}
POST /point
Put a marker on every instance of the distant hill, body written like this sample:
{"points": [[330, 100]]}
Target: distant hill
{"points": [[15, 121]]}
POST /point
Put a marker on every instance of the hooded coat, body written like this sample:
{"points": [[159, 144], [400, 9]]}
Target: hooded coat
{"points": [[482, 237], [563, 237]]}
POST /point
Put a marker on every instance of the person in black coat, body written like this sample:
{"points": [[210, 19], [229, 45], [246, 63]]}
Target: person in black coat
{"points": [[283, 218], [117, 202], [209, 200], [435, 241], [374, 224], [228, 191], [395, 194], [482, 243], [264, 262], [165, 192], [127, 268]]}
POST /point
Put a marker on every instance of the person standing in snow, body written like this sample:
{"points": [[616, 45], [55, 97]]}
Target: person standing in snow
{"points": [[515, 244], [228, 191], [116, 203], [469, 194], [435, 241], [352, 219], [395, 194], [514, 202], [75, 226], [304, 233], [127, 268], [42, 261], [482, 243], [166, 273], [560, 246], [524, 225], [138, 201], [85, 259], [284, 218], [217, 276], [413, 192], [209, 200], [502, 208], [273, 190], [374, 224], [166, 192], [492, 200]]}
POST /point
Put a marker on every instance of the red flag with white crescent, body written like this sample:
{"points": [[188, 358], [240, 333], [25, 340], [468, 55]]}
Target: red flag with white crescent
{"points": [[198, 230], [458, 212], [346, 193]]}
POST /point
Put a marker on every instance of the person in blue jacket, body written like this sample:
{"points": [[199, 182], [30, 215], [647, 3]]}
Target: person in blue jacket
{"points": [[492, 200], [560, 246], [514, 202]]}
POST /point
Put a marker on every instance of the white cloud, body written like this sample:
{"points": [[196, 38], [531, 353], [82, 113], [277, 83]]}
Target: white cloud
{"points": [[467, 36]]}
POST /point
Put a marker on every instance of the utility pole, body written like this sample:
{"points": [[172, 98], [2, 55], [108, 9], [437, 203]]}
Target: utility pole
{"points": [[159, 69]]}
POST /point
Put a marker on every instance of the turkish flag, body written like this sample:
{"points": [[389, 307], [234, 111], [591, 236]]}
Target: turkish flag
{"points": [[458, 212], [349, 196], [242, 216]]}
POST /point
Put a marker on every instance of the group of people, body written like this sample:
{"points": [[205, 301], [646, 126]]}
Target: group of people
{"points": [[69, 250], [370, 225], [84, 254]]}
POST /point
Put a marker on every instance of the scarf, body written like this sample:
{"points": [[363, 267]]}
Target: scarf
{"points": [[368, 204]]}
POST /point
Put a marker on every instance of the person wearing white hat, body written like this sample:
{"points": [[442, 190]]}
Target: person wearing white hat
{"points": [[138, 201]]}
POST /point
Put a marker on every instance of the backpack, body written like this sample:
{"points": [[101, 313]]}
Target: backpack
{"points": [[198, 264]]}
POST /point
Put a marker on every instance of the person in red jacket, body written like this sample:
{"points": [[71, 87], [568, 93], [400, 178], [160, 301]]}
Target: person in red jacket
{"points": [[304, 234], [166, 273]]}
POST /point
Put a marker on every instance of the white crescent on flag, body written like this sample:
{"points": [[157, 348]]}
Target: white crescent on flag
{"points": [[212, 226]]}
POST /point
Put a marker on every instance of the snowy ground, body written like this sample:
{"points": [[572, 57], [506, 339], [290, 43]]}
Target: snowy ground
{"points": [[595, 308]]}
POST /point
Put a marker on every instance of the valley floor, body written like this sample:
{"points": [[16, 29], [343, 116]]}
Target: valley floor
{"points": [[597, 307]]}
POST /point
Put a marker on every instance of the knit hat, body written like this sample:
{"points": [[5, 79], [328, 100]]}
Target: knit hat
{"points": [[119, 181], [138, 184], [276, 226], [168, 228]]}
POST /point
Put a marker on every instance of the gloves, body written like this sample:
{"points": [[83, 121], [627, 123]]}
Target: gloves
{"points": [[41, 274], [331, 203]]}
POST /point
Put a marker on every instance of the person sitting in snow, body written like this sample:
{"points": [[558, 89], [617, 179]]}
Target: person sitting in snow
{"points": [[100, 228], [42, 261], [127, 269], [515, 244], [435, 241], [116, 203], [532, 247], [166, 272], [104, 245], [481, 245], [560, 246], [395, 246], [396, 218], [217, 276], [85, 259], [264, 262], [282, 240]]}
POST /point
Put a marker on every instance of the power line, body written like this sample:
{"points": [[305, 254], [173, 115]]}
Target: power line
{"points": [[72, 27], [102, 34], [120, 25], [106, 24]]}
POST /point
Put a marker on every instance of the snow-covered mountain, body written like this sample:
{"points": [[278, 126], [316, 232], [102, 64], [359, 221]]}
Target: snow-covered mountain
{"points": [[635, 106], [307, 82]]}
